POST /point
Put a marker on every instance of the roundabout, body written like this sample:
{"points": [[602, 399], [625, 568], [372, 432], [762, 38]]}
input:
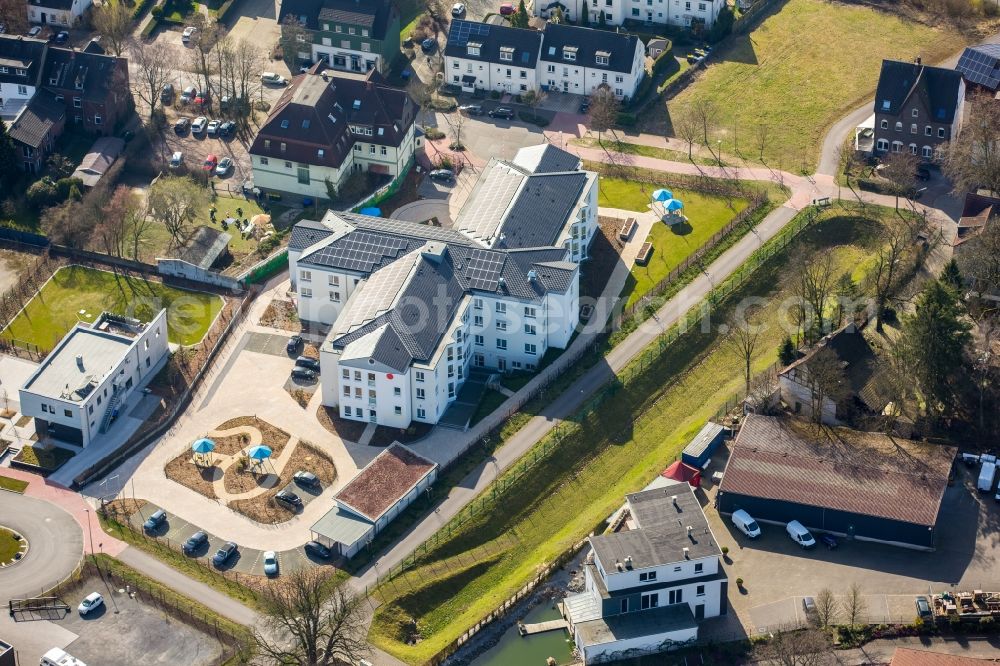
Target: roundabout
{"points": [[56, 545]]}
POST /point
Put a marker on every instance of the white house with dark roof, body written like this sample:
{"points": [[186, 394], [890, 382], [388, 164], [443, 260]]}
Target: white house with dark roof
{"points": [[81, 386], [64, 13], [328, 125], [564, 58], [680, 13], [649, 583]]}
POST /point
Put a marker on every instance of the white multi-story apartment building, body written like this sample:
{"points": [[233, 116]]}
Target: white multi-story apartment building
{"points": [[328, 125], [563, 58], [682, 13], [648, 584], [81, 387]]}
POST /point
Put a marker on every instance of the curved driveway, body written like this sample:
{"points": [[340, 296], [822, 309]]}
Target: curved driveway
{"points": [[55, 545]]}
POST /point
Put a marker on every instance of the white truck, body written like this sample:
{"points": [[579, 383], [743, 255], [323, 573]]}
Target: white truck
{"points": [[987, 474], [59, 657]]}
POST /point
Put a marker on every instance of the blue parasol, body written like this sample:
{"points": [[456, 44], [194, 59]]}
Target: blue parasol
{"points": [[372, 211], [662, 195], [675, 204], [203, 446], [260, 452]]}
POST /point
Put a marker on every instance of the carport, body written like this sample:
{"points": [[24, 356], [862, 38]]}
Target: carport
{"points": [[342, 531]]}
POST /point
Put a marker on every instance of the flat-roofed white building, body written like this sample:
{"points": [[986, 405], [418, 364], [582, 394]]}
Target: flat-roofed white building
{"points": [[77, 391]]}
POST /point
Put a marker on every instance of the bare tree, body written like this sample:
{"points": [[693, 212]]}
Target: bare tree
{"points": [[900, 169], [294, 37], [14, 16], [706, 114], [826, 380], [153, 70], [979, 260], [456, 123], [307, 622], [743, 340], [795, 647], [686, 128], [761, 135], [604, 108], [533, 99], [175, 201], [203, 43], [854, 605], [814, 288], [114, 22], [826, 607], [898, 239], [972, 160]]}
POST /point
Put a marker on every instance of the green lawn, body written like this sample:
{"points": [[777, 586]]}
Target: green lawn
{"points": [[647, 151], [802, 69], [50, 459], [615, 450], [157, 242], [706, 214], [55, 309], [13, 485], [9, 546], [490, 400]]}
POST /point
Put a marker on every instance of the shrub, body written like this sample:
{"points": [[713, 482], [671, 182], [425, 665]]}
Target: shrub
{"points": [[627, 119], [725, 550], [157, 11], [433, 133], [723, 25], [739, 582], [43, 193], [69, 188], [494, 94]]}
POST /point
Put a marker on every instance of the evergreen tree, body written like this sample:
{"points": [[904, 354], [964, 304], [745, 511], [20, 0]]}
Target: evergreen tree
{"points": [[584, 16], [952, 276], [602, 21], [8, 159], [786, 353], [933, 343], [520, 18]]}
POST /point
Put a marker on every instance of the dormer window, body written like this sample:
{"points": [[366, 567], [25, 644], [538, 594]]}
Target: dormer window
{"points": [[569, 53], [305, 124], [473, 48], [602, 57], [22, 72], [284, 124], [320, 153], [54, 81], [79, 84], [507, 53], [914, 113], [886, 105], [267, 143]]}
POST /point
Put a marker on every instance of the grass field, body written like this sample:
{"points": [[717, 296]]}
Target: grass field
{"points": [[9, 546], [13, 485], [51, 459], [707, 214], [643, 150], [56, 308], [614, 451], [803, 68]]}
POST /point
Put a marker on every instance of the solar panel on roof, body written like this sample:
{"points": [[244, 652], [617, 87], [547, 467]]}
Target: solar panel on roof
{"points": [[462, 30]]}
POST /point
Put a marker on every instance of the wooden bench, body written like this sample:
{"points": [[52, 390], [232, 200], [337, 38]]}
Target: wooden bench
{"points": [[645, 252], [628, 229]]}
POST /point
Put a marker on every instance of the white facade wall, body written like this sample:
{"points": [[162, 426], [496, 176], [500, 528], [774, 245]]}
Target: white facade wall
{"points": [[501, 77], [501, 329], [662, 12], [60, 17], [332, 51], [138, 362], [322, 293], [15, 95], [798, 396], [375, 393], [579, 232], [616, 581], [594, 654]]}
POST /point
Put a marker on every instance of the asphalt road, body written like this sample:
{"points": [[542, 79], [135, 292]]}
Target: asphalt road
{"points": [[55, 545]]}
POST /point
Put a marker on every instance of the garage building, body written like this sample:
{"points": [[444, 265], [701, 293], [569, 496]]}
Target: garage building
{"points": [[869, 486]]}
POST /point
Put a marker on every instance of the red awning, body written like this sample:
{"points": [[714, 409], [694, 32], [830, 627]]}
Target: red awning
{"points": [[679, 471]]}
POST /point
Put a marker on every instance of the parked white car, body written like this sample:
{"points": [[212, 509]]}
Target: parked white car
{"points": [[800, 534], [90, 602], [270, 563], [273, 79], [176, 160], [198, 126], [188, 33], [745, 523]]}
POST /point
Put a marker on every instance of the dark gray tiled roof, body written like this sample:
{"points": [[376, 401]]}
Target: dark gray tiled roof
{"points": [[33, 126], [374, 14], [17, 52], [541, 209], [555, 160], [661, 535], [492, 38], [307, 233], [618, 47], [900, 81], [98, 75], [980, 64]]}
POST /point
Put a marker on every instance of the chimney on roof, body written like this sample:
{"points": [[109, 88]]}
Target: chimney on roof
{"points": [[917, 60], [325, 76], [628, 561], [618, 565], [532, 275], [689, 530], [79, 361], [687, 553], [673, 498]]}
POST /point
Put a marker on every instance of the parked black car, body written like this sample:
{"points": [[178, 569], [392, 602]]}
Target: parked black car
{"points": [[442, 175], [289, 500], [167, 94], [316, 549], [308, 479], [306, 362], [182, 125], [227, 128], [194, 542], [304, 373], [158, 518], [502, 112], [224, 553], [294, 343]]}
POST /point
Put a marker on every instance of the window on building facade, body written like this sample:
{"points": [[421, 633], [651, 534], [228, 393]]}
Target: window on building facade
{"points": [[530, 348], [479, 341], [306, 293], [421, 413], [501, 308], [940, 132], [530, 329], [501, 343], [647, 575], [649, 601]]}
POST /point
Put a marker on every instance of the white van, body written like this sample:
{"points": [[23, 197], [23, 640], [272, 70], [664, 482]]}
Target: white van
{"points": [[745, 523], [800, 534], [58, 657], [987, 473]]}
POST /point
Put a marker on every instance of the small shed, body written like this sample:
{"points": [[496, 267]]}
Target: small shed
{"points": [[679, 471], [703, 445]]}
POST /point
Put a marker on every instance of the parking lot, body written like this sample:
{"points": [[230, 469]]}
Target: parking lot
{"points": [[126, 627], [777, 573], [175, 531]]}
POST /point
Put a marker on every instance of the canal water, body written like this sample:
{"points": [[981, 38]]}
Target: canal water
{"points": [[515, 650]]}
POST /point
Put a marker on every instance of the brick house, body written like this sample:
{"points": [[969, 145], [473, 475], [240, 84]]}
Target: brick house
{"points": [[917, 108]]}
